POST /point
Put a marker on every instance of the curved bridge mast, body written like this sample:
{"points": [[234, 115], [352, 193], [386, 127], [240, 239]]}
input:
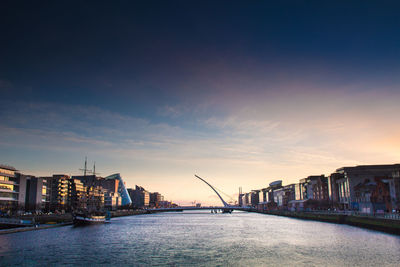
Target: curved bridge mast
{"points": [[223, 201]]}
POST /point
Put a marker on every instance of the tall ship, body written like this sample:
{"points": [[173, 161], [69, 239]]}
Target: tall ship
{"points": [[89, 204]]}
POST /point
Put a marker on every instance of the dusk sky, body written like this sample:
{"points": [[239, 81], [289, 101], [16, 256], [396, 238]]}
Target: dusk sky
{"points": [[241, 93]]}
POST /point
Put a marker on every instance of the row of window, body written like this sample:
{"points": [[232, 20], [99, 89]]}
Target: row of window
{"points": [[8, 195], [9, 187], [7, 171]]}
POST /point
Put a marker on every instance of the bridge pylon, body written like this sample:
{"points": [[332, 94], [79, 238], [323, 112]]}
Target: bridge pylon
{"points": [[227, 207]]}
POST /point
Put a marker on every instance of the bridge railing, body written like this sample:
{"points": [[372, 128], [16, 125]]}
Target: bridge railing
{"points": [[390, 216], [383, 215]]}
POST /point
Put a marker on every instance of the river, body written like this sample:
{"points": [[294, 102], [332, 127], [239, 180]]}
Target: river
{"points": [[202, 239]]}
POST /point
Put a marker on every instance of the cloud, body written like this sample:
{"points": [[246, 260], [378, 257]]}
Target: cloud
{"points": [[242, 146], [170, 111]]}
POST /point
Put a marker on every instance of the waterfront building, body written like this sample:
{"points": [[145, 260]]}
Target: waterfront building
{"points": [[283, 195], [9, 189], [314, 187], [35, 191], [111, 188], [247, 200], [56, 193], [155, 199], [264, 193], [297, 192], [278, 196], [77, 195], [368, 188], [272, 194], [20, 192], [117, 187], [268, 194], [373, 196], [254, 198], [240, 199], [140, 197], [169, 204], [289, 194], [90, 180], [95, 198], [395, 190], [263, 199], [333, 189], [111, 200]]}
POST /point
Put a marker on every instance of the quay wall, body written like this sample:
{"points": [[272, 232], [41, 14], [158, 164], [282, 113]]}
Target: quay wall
{"points": [[120, 213], [379, 224], [67, 217], [49, 218], [33, 228]]}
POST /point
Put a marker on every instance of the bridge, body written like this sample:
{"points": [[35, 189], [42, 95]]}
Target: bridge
{"points": [[216, 208], [226, 208]]}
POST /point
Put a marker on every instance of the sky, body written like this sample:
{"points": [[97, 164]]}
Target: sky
{"points": [[241, 93]]}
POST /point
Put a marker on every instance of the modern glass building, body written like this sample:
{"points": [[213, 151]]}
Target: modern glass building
{"points": [[125, 198]]}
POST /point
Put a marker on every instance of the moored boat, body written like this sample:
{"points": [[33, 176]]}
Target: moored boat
{"points": [[83, 219]]}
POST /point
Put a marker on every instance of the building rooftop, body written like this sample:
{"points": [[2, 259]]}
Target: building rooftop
{"points": [[368, 167], [7, 167]]}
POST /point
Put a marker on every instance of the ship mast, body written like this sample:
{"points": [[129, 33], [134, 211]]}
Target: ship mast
{"points": [[85, 169]]}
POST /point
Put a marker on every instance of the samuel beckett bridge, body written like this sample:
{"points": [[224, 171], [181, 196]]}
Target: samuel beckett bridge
{"points": [[226, 208]]}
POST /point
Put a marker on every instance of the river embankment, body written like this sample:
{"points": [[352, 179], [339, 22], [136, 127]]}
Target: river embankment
{"points": [[32, 228], [121, 213], [46, 221], [386, 225]]}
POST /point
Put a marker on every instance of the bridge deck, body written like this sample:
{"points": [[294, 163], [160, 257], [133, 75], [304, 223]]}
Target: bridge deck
{"points": [[201, 208]]}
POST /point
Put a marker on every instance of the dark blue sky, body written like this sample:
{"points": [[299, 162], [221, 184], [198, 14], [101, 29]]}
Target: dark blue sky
{"points": [[141, 53]]}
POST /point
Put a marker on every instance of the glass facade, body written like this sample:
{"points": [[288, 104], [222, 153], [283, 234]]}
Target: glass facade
{"points": [[125, 198], [9, 188]]}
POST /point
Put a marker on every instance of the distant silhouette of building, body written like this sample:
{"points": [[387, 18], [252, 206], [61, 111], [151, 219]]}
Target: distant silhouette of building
{"points": [[155, 199], [140, 197]]}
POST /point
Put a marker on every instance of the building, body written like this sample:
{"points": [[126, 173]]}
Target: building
{"points": [[56, 193], [270, 196], [35, 192], [112, 186], [314, 187], [240, 197], [10, 196], [367, 188], [155, 199], [254, 198], [111, 200], [273, 187], [246, 200], [395, 190], [297, 192], [168, 204], [20, 192], [118, 186], [333, 188], [140, 197], [77, 195]]}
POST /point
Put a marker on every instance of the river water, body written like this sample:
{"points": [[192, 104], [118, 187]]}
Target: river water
{"points": [[202, 239]]}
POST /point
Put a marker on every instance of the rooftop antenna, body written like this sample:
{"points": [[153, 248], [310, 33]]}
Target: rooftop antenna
{"points": [[85, 170]]}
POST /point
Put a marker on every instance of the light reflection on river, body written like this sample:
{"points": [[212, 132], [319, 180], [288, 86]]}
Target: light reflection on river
{"points": [[205, 239]]}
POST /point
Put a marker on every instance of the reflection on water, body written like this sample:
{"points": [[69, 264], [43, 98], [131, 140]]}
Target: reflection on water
{"points": [[202, 238]]}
